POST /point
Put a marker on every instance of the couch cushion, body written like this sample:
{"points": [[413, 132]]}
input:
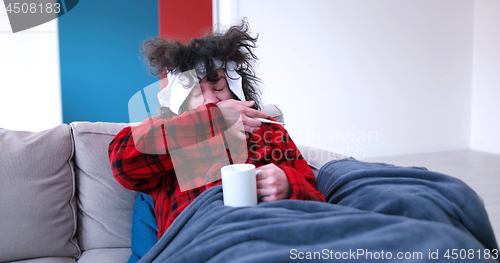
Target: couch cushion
{"points": [[105, 208], [37, 205]]}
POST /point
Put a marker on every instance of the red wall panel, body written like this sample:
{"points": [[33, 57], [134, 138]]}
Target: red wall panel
{"points": [[184, 19]]}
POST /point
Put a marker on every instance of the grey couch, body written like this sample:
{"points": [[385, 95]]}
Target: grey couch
{"points": [[59, 201]]}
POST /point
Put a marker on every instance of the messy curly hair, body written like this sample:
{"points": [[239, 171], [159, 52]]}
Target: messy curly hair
{"points": [[235, 44]]}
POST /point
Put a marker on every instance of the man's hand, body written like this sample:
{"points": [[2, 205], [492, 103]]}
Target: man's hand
{"points": [[272, 183], [233, 110]]}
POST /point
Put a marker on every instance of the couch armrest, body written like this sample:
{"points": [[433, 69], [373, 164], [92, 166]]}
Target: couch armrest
{"points": [[316, 157]]}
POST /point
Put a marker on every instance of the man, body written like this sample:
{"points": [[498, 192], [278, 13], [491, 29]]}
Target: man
{"points": [[206, 121]]}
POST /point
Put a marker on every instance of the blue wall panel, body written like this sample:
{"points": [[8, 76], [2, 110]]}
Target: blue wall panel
{"points": [[101, 69]]}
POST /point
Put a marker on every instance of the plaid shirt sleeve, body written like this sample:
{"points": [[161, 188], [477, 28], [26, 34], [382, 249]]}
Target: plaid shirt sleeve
{"points": [[272, 144], [139, 156], [299, 173]]}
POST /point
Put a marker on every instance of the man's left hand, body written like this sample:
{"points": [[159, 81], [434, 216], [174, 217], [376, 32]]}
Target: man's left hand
{"points": [[272, 183]]}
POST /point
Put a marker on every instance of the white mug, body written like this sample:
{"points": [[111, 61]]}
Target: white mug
{"points": [[239, 184]]}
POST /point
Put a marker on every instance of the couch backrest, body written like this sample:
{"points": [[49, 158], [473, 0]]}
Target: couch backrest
{"points": [[273, 111], [105, 208]]}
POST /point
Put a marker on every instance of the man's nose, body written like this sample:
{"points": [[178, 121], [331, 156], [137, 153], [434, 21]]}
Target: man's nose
{"points": [[209, 97]]}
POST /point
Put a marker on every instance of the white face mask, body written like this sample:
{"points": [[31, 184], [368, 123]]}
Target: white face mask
{"points": [[180, 85]]}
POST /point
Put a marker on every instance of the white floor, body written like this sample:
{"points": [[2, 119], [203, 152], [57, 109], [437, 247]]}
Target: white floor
{"points": [[481, 171]]}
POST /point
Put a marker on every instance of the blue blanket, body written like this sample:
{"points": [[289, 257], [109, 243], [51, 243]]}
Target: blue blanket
{"points": [[374, 212]]}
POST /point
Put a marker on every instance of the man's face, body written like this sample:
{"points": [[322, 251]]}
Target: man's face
{"points": [[209, 92]]}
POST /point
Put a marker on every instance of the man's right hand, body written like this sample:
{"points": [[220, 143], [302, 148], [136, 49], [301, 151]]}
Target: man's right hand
{"points": [[233, 110]]}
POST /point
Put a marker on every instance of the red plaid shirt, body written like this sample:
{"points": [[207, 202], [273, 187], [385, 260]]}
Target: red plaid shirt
{"points": [[140, 160]]}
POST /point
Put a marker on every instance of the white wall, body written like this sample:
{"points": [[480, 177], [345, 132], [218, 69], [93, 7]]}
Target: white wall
{"points": [[367, 78], [485, 132], [30, 92]]}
